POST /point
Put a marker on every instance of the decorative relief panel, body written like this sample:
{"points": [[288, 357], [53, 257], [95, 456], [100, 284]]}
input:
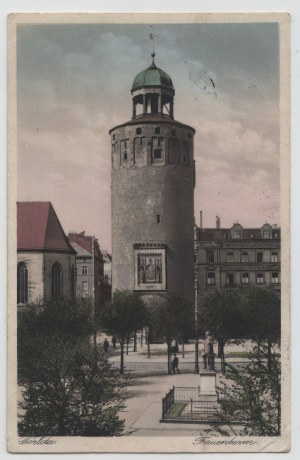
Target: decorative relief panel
{"points": [[150, 269]]}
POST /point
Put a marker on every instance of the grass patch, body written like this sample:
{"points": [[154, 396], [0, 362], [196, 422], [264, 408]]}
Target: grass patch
{"points": [[238, 354], [176, 410]]}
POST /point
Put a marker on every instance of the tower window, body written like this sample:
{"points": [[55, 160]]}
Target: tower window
{"points": [[173, 132], [138, 130], [157, 154], [189, 135], [125, 155], [157, 130], [157, 218], [114, 137]]}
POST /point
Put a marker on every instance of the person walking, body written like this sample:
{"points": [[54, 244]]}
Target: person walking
{"points": [[114, 341], [105, 345], [175, 364]]}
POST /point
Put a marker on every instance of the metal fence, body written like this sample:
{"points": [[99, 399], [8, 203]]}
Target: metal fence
{"points": [[182, 403], [167, 402]]}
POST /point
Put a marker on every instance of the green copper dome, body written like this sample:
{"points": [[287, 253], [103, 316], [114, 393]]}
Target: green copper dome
{"points": [[153, 76]]}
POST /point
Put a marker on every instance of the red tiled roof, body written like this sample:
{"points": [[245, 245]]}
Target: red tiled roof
{"points": [[38, 228]]}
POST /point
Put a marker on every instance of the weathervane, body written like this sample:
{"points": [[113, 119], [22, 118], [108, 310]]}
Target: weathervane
{"points": [[152, 37]]}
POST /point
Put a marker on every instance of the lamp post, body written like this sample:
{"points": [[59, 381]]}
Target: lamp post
{"points": [[196, 324]]}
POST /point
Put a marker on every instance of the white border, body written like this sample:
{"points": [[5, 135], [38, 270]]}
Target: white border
{"points": [[291, 6]]}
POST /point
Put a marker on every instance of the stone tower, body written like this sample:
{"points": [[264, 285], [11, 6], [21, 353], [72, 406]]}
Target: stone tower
{"points": [[153, 178]]}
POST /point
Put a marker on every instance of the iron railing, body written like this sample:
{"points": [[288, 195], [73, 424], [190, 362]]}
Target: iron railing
{"points": [[167, 402]]}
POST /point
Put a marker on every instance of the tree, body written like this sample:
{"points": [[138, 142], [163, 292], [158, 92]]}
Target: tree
{"points": [[176, 321], [249, 313], [125, 315], [261, 316], [252, 396], [221, 314], [65, 392]]}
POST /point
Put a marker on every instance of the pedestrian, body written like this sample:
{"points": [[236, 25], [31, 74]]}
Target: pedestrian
{"points": [[175, 364], [114, 341], [105, 345]]}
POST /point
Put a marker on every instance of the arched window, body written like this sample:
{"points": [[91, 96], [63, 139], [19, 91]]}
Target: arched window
{"points": [[56, 282], [22, 294], [72, 281]]}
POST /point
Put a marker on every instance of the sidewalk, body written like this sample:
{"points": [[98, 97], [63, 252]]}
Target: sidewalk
{"points": [[144, 403]]}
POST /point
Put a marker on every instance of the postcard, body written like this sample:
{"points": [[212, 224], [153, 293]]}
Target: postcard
{"points": [[149, 233]]}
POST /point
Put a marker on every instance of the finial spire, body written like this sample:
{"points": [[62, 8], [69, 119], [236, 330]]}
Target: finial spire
{"points": [[152, 37]]}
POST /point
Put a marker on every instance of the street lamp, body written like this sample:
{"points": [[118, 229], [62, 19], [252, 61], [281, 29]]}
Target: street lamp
{"points": [[196, 324]]}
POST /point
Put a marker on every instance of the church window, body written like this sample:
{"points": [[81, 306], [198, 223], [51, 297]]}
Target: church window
{"points": [[56, 281], [125, 155], [114, 137], [157, 130], [138, 130], [72, 287], [189, 135], [22, 283], [157, 218]]}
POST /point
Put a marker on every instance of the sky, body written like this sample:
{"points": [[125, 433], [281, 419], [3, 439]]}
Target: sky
{"points": [[73, 85]]}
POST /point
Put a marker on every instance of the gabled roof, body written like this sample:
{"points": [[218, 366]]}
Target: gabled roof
{"points": [[86, 242], [81, 252], [38, 228]]}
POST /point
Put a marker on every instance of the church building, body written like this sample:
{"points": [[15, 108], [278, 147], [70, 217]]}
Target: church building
{"points": [[153, 179], [45, 258]]}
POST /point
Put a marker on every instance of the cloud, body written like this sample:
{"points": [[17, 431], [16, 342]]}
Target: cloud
{"points": [[74, 85]]}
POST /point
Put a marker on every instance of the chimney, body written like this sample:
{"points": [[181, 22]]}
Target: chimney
{"points": [[218, 222], [200, 219]]}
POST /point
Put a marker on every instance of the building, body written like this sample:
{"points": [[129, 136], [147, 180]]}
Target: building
{"points": [[152, 193], [229, 258], [45, 258], [90, 279]]}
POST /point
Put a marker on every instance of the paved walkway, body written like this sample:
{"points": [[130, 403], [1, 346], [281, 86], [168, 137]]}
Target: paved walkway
{"points": [[144, 404]]}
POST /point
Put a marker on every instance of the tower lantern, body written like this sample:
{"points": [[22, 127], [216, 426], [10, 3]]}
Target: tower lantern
{"points": [[153, 92], [153, 193]]}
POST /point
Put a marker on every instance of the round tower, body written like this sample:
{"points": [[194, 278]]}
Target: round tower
{"points": [[153, 177]]}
